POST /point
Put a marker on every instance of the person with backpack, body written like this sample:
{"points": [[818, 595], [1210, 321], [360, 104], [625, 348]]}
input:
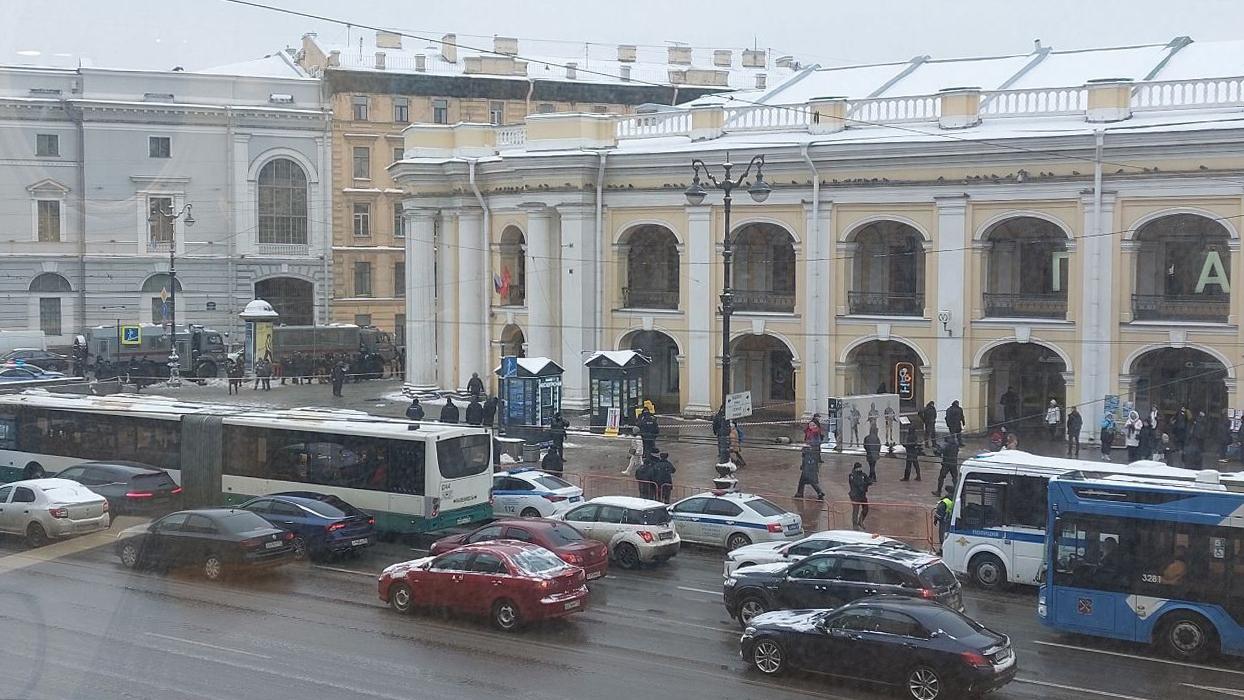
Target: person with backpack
{"points": [[942, 512], [857, 491]]}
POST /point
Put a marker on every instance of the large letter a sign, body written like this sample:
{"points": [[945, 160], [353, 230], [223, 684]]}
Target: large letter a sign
{"points": [[1213, 272]]}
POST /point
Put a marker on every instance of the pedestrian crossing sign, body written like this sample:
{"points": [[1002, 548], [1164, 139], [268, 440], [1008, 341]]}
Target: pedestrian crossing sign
{"points": [[131, 335]]}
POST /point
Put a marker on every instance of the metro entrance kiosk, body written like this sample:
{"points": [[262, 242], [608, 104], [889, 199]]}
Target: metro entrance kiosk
{"points": [[617, 381], [531, 392]]}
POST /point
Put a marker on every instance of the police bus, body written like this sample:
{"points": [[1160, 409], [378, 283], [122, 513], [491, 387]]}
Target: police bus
{"points": [[996, 534], [1147, 560], [419, 480]]}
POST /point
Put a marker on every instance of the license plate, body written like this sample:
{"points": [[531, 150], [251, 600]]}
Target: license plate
{"points": [[575, 499], [273, 545], [665, 535], [573, 604], [593, 574], [358, 543]]}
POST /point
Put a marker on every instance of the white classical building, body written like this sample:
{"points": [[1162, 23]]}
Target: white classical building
{"points": [[86, 154]]}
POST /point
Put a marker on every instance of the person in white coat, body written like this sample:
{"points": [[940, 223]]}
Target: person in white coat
{"points": [[1053, 419], [637, 454], [1131, 436]]}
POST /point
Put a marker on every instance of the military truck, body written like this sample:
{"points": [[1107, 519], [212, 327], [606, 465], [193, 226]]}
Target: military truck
{"points": [[201, 351], [313, 350]]}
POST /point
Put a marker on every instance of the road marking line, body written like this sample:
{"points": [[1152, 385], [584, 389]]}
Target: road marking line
{"points": [[1211, 689], [699, 590], [1138, 657], [1078, 689], [356, 572], [205, 644]]}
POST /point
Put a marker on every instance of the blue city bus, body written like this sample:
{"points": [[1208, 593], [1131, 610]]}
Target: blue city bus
{"points": [[1147, 560]]}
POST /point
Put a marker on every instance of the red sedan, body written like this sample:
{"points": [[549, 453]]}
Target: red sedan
{"points": [[512, 582], [556, 536]]}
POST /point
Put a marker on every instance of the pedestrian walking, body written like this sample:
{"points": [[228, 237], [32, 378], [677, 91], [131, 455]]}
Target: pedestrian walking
{"points": [[338, 376], [928, 416], [1074, 423], [810, 472], [235, 372], [557, 431], [954, 421], [857, 491], [736, 445], [1010, 407], [415, 410], [663, 476], [812, 431], [648, 430], [636, 454], [912, 450], [1107, 436], [644, 477], [1148, 441], [1131, 436], [872, 452], [258, 370], [1053, 419], [942, 513], [552, 462], [475, 412], [475, 386], [490, 411], [949, 453], [449, 412]]}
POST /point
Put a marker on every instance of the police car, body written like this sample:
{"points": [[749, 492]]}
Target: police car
{"points": [[730, 519], [772, 552], [531, 493]]}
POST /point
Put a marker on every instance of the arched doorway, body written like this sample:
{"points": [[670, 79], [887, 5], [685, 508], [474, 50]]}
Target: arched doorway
{"points": [[762, 364], [53, 292], [1029, 372], [661, 382], [874, 365], [764, 269], [155, 288], [1168, 379], [510, 283], [513, 341], [1026, 269], [1183, 264], [651, 256], [292, 298], [887, 269]]}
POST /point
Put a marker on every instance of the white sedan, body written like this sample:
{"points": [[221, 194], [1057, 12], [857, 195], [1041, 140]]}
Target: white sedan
{"points": [[730, 519], [773, 552], [531, 493], [42, 510]]}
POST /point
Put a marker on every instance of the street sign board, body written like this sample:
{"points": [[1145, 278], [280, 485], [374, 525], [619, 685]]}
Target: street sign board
{"points": [[613, 421], [131, 335], [739, 405], [509, 366], [905, 380]]}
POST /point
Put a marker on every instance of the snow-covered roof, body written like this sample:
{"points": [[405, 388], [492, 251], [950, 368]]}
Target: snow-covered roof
{"points": [[534, 366], [594, 63], [621, 358], [276, 65]]}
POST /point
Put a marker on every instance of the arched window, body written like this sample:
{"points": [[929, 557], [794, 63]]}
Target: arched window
{"points": [[888, 270], [764, 269], [50, 286], [1183, 264], [1026, 269], [651, 269], [50, 282], [282, 203]]}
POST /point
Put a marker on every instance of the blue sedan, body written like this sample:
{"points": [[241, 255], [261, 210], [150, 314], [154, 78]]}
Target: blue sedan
{"points": [[320, 528]]}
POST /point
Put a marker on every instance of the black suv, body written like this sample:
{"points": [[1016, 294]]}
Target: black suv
{"points": [[836, 577], [129, 487]]}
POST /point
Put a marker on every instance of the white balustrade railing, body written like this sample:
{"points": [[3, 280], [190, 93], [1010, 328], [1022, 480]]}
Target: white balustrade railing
{"points": [[894, 110], [659, 124], [767, 118], [511, 137], [1188, 94], [1035, 101]]}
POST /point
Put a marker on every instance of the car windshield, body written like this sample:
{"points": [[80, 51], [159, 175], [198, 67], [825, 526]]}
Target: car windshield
{"points": [[564, 534], [553, 483], [648, 516], [765, 508], [155, 480], [241, 521], [537, 561], [938, 575]]}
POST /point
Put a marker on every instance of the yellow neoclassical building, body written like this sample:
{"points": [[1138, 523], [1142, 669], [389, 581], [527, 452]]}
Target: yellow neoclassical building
{"points": [[1049, 230]]}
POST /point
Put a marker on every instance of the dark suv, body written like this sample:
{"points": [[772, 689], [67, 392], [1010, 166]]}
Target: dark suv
{"points": [[43, 359], [836, 577], [129, 487]]}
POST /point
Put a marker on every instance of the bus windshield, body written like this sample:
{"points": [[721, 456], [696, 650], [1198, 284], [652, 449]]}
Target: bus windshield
{"points": [[464, 456]]}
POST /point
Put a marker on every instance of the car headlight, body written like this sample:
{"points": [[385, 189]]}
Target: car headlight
{"points": [[748, 633]]}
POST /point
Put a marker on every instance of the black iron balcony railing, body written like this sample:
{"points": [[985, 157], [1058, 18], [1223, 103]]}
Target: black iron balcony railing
{"points": [[1211, 308], [886, 303], [1025, 305], [764, 300], [649, 298]]}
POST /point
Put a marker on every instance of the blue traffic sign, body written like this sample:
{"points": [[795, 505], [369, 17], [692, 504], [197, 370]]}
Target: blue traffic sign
{"points": [[131, 335], [509, 366]]}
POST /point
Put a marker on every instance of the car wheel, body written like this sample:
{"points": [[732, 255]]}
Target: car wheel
{"points": [[213, 567], [529, 513], [129, 555], [924, 683], [750, 607], [737, 540], [988, 572], [36, 536], [626, 555], [746, 563], [34, 470], [401, 599], [505, 615], [1186, 636], [768, 657], [301, 552]]}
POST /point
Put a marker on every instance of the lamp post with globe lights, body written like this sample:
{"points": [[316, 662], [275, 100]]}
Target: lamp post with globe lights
{"points": [[174, 361]]}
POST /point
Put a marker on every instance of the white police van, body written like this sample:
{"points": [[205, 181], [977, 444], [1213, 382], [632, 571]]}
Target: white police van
{"points": [[531, 493]]}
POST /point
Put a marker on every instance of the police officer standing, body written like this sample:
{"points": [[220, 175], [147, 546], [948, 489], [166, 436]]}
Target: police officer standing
{"points": [[338, 376], [941, 514], [557, 431], [912, 450], [415, 410], [663, 475], [950, 463]]}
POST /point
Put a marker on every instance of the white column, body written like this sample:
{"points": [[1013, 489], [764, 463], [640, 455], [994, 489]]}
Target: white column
{"points": [[1097, 314], [447, 302], [952, 239], [817, 306], [579, 298], [700, 306], [420, 301], [472, 318], [542, 278]]}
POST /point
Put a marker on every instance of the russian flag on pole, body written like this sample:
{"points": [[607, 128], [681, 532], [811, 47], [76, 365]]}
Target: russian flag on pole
{"points": [[501, 282]]}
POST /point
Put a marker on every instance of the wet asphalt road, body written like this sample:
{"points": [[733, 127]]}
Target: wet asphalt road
{"points": [[78, 625]]}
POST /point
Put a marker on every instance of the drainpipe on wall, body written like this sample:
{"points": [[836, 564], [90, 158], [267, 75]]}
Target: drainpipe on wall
{"points": [[600, 240], [1099, 139], [232, 256], [76, 114], [487, 281], [531, 88], [326, 193], [814, 235]]}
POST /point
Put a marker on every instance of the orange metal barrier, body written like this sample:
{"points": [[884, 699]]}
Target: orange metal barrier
{"points": [[909, 522]]}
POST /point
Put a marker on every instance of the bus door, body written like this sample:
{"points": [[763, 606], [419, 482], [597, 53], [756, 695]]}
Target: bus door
{"points": [[982, 516]]}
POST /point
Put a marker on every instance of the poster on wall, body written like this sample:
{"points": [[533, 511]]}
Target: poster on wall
{"points": [[905, 380], [859, 415]]}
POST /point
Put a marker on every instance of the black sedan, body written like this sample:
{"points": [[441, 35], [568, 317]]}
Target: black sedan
{"points": [[320, 528], [215, 541], [924, 648], [130, 487]]}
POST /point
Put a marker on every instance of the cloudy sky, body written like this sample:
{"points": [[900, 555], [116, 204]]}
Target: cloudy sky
{"points": [[202, 33]]}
